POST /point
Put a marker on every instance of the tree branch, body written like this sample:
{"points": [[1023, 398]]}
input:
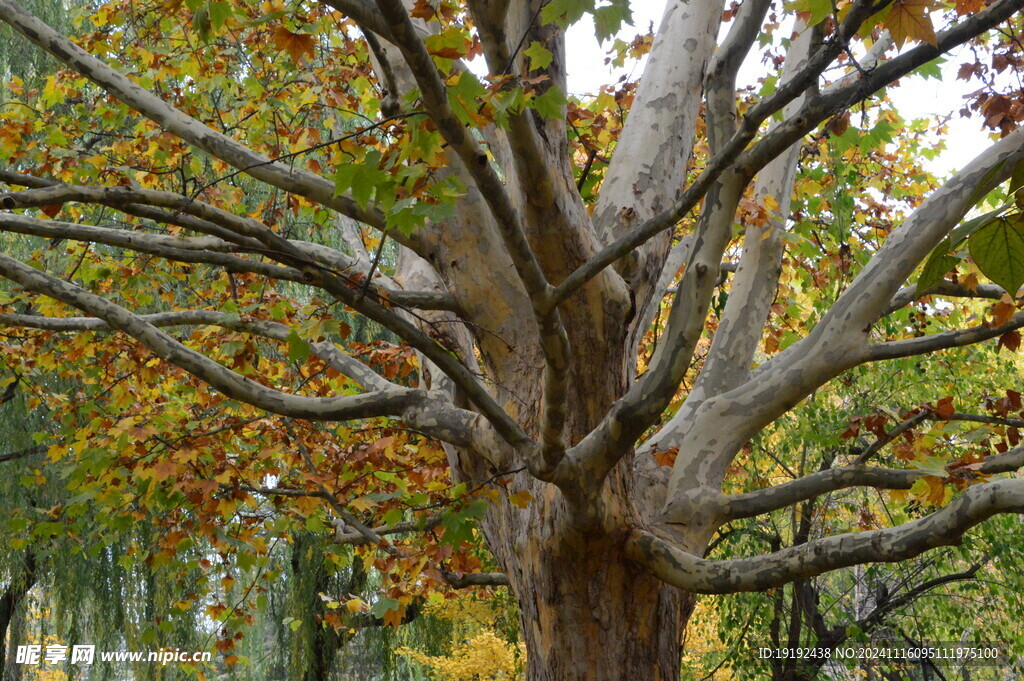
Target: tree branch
{"points": [[371, 536], [944, 527], [553, 339], [748, 505], [435, 417], [941, 341], [23, 453], [909, 294], [378, 403], [729, 156], [207, 250], [839, 341], [250, 235], [259, 166]]}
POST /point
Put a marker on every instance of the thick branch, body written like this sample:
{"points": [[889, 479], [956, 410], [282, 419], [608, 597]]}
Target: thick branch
{"points": [[944, 527], [909, 294], [736, 506], [643, 178], [941, 341], [303, 256], [727, 157], [553, 339], [435, 417], [365, 14], [724, 423], [379, 403], [474, 158], [250, 235]]}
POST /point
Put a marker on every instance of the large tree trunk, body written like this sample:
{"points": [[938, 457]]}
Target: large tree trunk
{"points": [[587, 611], [589, 614]]}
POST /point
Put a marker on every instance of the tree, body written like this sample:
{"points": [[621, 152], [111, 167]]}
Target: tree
{"points": [[531, 272]]}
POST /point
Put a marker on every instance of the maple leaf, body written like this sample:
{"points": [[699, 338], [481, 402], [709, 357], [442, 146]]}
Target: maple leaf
{"points": [[1002, 313], [909, 19], [422, 10], [51, 210], [394, 618], [931, 490], [666, 457], [521, 499], [164, 470], [944, 408], [295, 44], [1010, 341], [969, 6]]}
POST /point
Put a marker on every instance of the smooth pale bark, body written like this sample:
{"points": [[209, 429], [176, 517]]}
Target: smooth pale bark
{"points": [[752, 291], [648, 171]]}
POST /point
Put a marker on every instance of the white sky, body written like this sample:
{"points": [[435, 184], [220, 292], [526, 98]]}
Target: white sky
{"points": [[914, 98]]}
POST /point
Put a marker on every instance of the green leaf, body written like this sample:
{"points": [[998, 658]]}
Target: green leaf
{"points": [[540, 56], [363, 179], [384, 605], [968, 228], [463, 95], [998, 251], [565, 12], [609, 19], [931, 69], [818, 9], [201, 22], [932, 465], [1017, 185], [298, 349], [549, 104], [979, 190], [219, 13], [935, 269], [364, 185]]}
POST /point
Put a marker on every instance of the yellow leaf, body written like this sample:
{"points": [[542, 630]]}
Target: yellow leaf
{"points": [[521, 499], [354, 605], [909, 19]]}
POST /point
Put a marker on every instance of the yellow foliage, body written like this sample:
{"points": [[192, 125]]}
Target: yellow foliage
{"points": [[702, 639], [485, 657]]}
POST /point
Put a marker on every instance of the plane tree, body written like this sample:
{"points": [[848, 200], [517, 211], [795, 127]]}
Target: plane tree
{"points": [[590, 286]]}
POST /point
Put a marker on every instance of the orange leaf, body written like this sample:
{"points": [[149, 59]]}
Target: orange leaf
{"points": [[394, 617], [666, 457], [1010, 341], [944, 408], [51, 210], [969, 6], [1002, 312], [422, 10], [164, 470], [295, 44]]}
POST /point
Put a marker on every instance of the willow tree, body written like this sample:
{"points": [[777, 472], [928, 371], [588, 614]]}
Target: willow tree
{"points": [[539, 245]]}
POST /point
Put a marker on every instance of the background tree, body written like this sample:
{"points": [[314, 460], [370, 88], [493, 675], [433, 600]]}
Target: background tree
{"points": [[537, 237]]}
